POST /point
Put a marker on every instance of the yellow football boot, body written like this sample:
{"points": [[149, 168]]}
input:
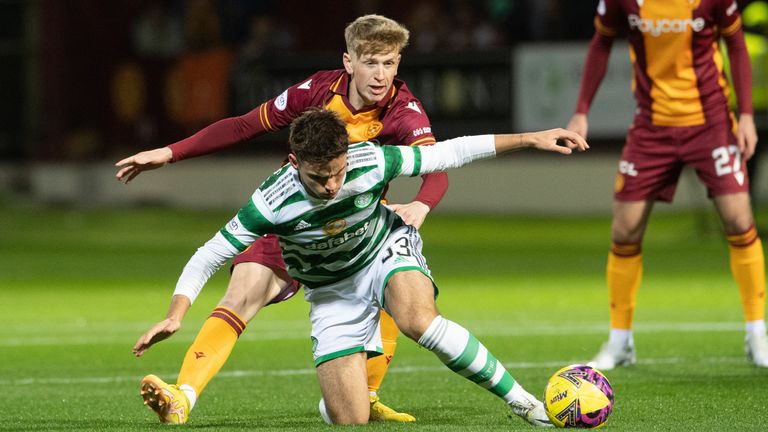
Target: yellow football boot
{"points": [[168, 401], [381, 412]]}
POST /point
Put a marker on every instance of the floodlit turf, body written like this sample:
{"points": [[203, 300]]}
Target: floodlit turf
{"points": [[78, 287]]}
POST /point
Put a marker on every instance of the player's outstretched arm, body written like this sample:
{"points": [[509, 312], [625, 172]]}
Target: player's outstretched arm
{"points": [[132, 166], [166, 328], [554, 140]]}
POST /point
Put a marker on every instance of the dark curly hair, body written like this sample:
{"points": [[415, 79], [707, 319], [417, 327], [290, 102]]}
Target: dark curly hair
{"points": [[318, 136]]}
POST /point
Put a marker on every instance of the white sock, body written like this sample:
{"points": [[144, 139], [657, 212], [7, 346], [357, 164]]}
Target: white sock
{"points": [[755, 328], [465, 355], [324, 412], [620, 337], [191, 394]]}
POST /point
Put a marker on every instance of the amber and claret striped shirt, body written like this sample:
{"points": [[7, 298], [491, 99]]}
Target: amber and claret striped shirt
{"points": [[398, 119], [678, 77]]}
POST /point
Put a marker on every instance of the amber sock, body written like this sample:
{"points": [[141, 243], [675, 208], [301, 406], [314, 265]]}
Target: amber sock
{"points": [[211, 349], [623, 274], [377, 366], [748, 269]]}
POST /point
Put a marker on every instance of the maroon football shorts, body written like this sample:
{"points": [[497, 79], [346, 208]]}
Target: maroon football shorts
{"points": [[654, 156], [266, 251]]}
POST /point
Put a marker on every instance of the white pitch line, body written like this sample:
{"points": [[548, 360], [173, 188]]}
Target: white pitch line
{"points": [[512, 366], [479, 328]]}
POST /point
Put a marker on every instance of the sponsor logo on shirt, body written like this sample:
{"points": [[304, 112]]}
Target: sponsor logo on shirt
{"points": [[282, 101], [233, 225], [657, 27], [340, 240], [422, 131]]}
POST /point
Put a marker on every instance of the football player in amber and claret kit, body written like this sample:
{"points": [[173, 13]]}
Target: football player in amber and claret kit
{"points": [[682, 118]]}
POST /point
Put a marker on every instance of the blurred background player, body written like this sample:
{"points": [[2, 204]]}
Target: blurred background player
{"points": [[373, 105], [682, 117]]}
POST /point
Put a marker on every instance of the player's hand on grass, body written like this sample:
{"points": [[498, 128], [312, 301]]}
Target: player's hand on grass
{"points": [[159, 332], [132, 166], [412, 213], [746, 136], [556, 140], [579, 124]]}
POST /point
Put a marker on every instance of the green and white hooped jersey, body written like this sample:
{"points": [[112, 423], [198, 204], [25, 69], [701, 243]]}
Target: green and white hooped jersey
{"points": [[324, 241]]}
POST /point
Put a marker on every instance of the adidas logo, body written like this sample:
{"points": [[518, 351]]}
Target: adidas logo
{"points": [[301, 225]]}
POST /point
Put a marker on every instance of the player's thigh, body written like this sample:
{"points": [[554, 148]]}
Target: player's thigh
{"points": [[251, 287], [408, 289], [712, 151], [258, 278], [650, 165], [410, 299], [735, 211], [344, 386]]}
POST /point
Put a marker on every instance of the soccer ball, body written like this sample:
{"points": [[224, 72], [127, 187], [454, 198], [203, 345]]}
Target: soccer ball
{"points": [[578, 396]]}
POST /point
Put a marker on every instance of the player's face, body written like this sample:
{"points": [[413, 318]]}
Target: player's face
{"points": [[322, 180], [372, 76]]}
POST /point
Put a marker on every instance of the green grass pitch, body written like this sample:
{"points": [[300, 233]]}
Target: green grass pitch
{"points": [[77, 288]]}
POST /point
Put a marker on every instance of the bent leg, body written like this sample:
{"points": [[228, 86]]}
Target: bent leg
{"points": [[343, 386], [410, 298], [251, 286]]}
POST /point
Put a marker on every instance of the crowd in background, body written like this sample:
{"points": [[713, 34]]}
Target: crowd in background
{"points": [[169, 27], [110, 78]]}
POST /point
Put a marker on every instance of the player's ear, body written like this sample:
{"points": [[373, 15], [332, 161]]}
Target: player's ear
{"points": [[293, 161], [347, 60]]}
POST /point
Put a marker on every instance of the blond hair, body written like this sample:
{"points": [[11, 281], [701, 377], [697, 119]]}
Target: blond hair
{"points": [[375, 34]]}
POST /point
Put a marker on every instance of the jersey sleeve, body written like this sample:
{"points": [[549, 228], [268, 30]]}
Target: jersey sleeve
{"points": [[727, 17], [610, 18], [278, 112], [414, 128], [270, 116], [445, 155], [593, 72], [242, 230]]}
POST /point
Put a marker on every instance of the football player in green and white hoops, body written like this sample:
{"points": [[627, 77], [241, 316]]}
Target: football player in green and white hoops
{"points": [[354, 256]]}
